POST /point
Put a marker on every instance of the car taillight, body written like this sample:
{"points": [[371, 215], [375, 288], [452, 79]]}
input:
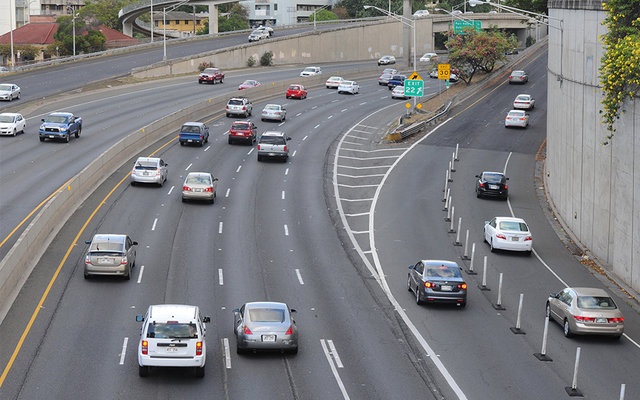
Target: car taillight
{"points": [[199, 348], [227, 107], [289, 331], [209, 189], [501, 236], [505, 186], [482, 184], [528, 238], [133, 171], [124, 260], [428, 284], [87, 259], [145, 347], [247, 331], [285, 148], [258, 147], [621, 319], [186, 188], [584, 319], [462, 286], [158, 171], [201, 137], [244, 108]]}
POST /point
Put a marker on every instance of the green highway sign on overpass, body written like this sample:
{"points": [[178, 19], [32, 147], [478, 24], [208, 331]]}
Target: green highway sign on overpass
{"points": [[458, 26]]}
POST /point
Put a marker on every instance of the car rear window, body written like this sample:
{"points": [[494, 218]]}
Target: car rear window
{"points": [[294, 87], [172, 330], [444, 272], [523, 98], [235, 102], [596, 303], [493, 178], [190, 129], [516, 113], [277, 140], [199, 180], [513, 226], [106, 246], [275, 108], [146, 167], [240, 126], [266, 315]]}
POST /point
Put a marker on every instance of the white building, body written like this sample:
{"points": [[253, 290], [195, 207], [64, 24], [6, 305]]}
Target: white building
{"points": [[282, 12]]}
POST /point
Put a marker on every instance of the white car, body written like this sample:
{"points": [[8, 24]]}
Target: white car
{"points": [[172, 336], [334, 82], [420, 13], [391, 71], [386, 60], [398, 93], [267, 29], [257, 35], [311, 71], [349, 87], [524, 101], [506, 233], [12, 123], [9, 91], [429, 57], [517, 118]]}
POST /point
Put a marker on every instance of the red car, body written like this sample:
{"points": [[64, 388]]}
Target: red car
{"points": [[297, 91], [248, 84], [211, 75], [244, 131]]}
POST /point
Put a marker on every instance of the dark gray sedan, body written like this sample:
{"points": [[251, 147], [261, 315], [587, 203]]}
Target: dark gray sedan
{"points": [[265, 326], [436, 281]]}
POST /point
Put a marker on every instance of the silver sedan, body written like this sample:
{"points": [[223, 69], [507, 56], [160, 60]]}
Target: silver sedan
{"points": [[265, 326], [199, 186], [398, 93], [274, 111], [524, 102], [349, 87], [517, 118], [9, 91], [583, 311]]}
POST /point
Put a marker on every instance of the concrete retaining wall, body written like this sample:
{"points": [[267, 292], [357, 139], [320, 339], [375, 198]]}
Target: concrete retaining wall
{"points": [[592, 186], [17, 265]]}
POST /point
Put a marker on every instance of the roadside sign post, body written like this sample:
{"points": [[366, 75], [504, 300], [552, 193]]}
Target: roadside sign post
{"points": [[414, 87]]}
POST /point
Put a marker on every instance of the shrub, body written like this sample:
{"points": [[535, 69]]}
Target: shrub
{"points": [[251, 61], [266, 59], [204, 65]]}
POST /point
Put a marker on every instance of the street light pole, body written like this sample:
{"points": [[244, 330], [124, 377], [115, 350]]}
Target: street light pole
{"points": [[315, 15], [11, 12]]}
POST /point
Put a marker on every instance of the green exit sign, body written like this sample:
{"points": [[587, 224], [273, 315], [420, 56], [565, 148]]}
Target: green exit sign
{"points": [[458, 26], [413, 87]]}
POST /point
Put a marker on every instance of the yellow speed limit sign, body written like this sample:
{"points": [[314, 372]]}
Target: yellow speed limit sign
{"points": [[444, 71]]}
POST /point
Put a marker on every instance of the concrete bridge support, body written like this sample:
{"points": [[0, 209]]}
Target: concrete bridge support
{"points": [[213, 18]]}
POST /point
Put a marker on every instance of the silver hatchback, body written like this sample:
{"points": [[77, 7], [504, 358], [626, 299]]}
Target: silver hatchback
{"points": [[265, 326], [110, 255], [149, 170], [199, 186]]}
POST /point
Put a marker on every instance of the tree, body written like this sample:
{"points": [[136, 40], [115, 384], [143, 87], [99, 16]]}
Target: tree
{"points": [[537, 6], [104, 12], [28, 51], [237, 19], [323, 15], [86, 39], [475, 51], [355, 8]]}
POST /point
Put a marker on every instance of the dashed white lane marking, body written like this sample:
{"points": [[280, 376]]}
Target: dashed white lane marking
{"points": [[286, 230], [170, 190], [363, 103], [334, 370], [188, 166], [208, 147], [314, 107], [330, 116], [220, 277], [228, 191], [374, 151], [299, 277], [124, 350], [370, 167], [227, 354], [305, 138], [298, 114], [357, 214], [220, 227], [335, 100], [283, 195], [294, 153], [239, 168], [344, 110], [316, 127], [251, 151], [286, 171], [155, 221], [140, 273], [281, 123]]}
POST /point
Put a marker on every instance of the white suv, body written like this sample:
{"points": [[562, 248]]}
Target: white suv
{"points": [[239, 106], [172, 336]]}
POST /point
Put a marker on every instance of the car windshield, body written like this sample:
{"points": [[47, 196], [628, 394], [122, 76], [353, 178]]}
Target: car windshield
{"points": [[172, 330], [240, 126], [6, 118], [309, 69], [444, 272], [513, 226], [106, 246], [272, 140], [210, 71], [596, 302], [235, 102], [56, 119], [493, 178], [248, 83], [266, 315], [294, 87], [190, 129], [198, 180], [5, 87], [271, 107]]}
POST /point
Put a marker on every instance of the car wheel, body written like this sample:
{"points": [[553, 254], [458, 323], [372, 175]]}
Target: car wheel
{"points": [[262, 119], [143, 371], [87, 276], [259, 157], [202, 143], [15, 131], [79, 132], [228, 115], [184, 200], [199, 81], [200, 372], [286, 96], [213, 81], [230, 140], [212, 200], [284, 117], [221, 80], [493, 249], [617, 337], [567, 329], [484, 236], [418, 301], [462, 304], [67, 138], [478, 195], [409, 283], [528, 252], [41, 139], [128, 275], [239, 350]]}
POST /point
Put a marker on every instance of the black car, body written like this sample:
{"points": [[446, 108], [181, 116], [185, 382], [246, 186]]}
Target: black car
{"points": [[436, 281], [492, 184]]}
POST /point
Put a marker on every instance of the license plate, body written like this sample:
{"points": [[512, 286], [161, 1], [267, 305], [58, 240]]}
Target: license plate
{"points": [[197, 190], [106, 261], [52, 136], [189, 140], [515, 238], [145, 173], [268, 338], [493, 186], [272, 154], [601, 320], [172, 349], [446, 288]]}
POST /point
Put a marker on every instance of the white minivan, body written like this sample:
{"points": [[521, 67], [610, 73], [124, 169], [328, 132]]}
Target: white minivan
{"points": [[172, 336]]}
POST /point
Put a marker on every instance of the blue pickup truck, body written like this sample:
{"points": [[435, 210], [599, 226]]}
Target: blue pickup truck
{"points": [[60, 125], [396, 80], [194, 133]]}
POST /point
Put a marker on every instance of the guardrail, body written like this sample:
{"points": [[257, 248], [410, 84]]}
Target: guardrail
{"points": [[17, 265]]}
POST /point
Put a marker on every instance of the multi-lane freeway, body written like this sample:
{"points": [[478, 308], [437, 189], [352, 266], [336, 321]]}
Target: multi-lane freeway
{"points": [[331, 232]]}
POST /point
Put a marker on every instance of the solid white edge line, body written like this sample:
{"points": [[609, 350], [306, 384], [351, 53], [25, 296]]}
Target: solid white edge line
{"points": [[227, 355], [220, 277], [124, 350], [140, 273], [334, 370], [299, 276], [334, 353]]}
